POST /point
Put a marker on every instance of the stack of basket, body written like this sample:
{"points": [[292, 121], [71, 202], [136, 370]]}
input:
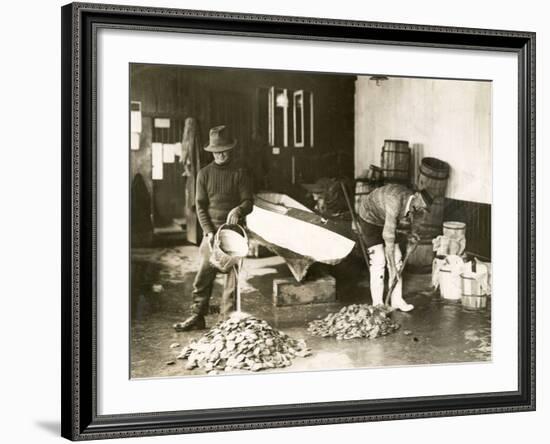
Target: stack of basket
{"points": [[468, 282], [448, 263], [457, 278]]}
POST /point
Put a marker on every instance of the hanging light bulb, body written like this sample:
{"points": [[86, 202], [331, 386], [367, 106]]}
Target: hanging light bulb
{"points": [[378, 79]]}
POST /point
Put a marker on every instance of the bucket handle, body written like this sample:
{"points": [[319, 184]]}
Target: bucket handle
{"points": [[217, 236]]}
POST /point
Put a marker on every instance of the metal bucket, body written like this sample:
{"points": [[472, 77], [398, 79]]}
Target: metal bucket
{"points": [[449, 285], [454, 230], [229, 247]]}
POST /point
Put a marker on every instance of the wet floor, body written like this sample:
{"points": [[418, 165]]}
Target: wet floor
{"points": [[435, 332]]}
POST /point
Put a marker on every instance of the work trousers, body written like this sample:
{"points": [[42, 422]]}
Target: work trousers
{"points": [[204, 282], [372, 236]]}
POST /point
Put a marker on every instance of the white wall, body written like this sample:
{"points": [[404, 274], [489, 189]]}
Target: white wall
{"points": [[30, 225], [446, 119]]}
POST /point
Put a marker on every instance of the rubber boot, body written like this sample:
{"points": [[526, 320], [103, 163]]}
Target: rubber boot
{"points": [[397, 301], [377, 270]]}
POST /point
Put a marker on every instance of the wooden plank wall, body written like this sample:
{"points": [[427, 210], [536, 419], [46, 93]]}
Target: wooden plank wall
{"points": [[477, 217], [215, 96]]}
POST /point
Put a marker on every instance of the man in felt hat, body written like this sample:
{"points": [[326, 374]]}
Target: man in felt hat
{"points": [[379, 214], [223, 195]]}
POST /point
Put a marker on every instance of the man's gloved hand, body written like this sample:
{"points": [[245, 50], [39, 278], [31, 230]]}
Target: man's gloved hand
{"points": [[412, 241], [233, 216], [413, 238]]}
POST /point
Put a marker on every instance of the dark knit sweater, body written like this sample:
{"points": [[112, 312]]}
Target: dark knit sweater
{"points": [[220, 188]]}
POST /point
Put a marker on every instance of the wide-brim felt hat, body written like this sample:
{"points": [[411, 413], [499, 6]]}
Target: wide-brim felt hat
{"points": [[220, 140]]}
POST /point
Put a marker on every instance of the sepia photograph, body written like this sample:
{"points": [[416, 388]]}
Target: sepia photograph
{"points": [[293, 221]]}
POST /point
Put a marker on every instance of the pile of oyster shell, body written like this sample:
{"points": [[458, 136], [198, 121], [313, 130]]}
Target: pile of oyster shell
{"points": [[355, 321], [242, 343]]}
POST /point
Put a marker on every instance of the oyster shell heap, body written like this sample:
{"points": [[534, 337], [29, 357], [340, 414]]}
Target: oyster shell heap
{"points": [[355, 321], [242, 343]]}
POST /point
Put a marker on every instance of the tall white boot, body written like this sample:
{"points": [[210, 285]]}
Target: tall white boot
{"points": [[397, 301], [377, 269]]}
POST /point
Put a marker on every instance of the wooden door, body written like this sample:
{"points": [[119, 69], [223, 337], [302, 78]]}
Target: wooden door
{"points": [[169, 192]]}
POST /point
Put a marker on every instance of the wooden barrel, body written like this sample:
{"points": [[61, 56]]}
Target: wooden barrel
{"points": [[420, 260], [429, 224], [362, 188], [375, 173], [433, 175], [396, 160], [473, 297]]}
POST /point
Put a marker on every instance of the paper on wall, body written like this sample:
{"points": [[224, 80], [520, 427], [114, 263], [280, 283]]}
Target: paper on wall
{"points": [[168, 150], [162, 123], [178, 150], [135, 121], [157, 161], [134, 141]]}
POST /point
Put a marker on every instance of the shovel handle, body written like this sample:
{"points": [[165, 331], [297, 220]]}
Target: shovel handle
{"points": [[358, 229]]}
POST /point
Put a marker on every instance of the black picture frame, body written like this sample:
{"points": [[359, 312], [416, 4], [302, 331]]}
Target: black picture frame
{"points": [[80, 22]]}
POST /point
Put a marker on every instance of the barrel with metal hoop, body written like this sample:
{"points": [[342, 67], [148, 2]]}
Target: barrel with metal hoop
{"points": [[420, 260], [396, 160], [433, 175], [230, 246], [473, 296], [375, 174], [428, 224]]}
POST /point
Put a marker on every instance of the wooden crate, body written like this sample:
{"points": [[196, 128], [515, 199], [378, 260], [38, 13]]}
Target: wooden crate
{"points": [[313, 290]]}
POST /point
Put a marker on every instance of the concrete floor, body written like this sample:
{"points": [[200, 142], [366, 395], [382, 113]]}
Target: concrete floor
{"points": [[435, 332]]}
